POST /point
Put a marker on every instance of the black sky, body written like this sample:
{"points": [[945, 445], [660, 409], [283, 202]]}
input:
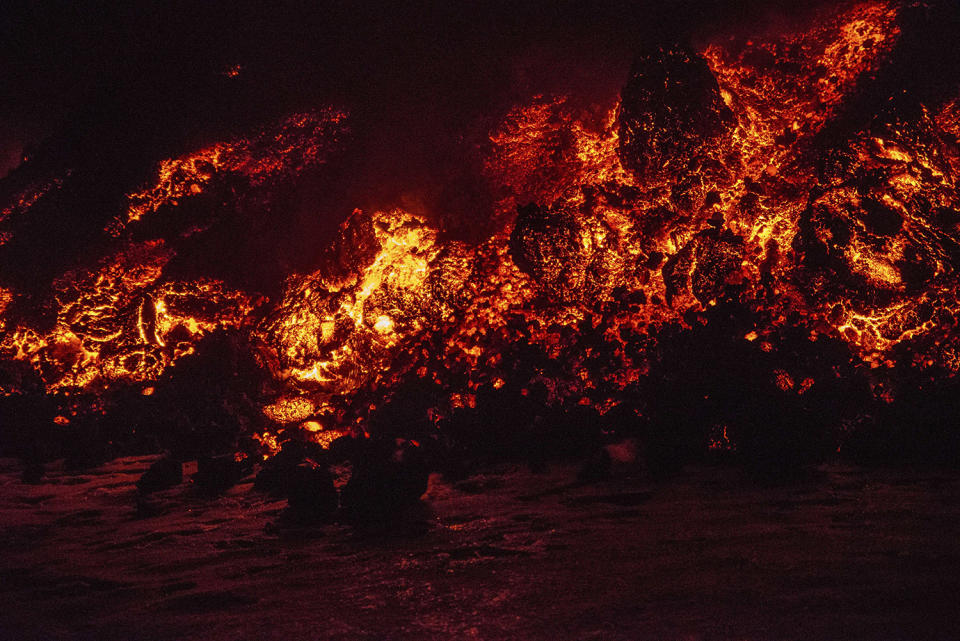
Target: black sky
{"points": [[429, 58]]}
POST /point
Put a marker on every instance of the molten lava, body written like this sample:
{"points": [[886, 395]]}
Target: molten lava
{"points": [[710, 182]]}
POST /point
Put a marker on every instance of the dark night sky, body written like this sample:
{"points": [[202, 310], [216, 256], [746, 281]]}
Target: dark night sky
{"points": [[433, 61]]}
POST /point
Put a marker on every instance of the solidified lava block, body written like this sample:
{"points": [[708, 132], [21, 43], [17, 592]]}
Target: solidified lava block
{"points": [[355, 250], [164, 473], [671, 113], [311, 492], [547, 245], [276, 471], [880, 223], [450, 275], [703, 265], [387, 480], [219, 473]]}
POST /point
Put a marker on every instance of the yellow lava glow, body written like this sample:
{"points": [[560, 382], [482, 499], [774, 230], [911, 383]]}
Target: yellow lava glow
{"points": [[289, 410], [274, 151], [384, 324], [622, 257], [120, 319], [369, 313]]}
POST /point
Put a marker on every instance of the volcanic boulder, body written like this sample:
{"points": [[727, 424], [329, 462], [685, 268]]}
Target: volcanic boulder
{"points": [[165, 473], [311, 494], [449, 281], [703, 265], [388, 479], [671, 114], [547, 244], [276, 472], [881, 223], [217, 474]]}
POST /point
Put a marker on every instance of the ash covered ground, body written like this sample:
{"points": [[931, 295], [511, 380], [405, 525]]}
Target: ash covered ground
{"points": [[847, 553]]}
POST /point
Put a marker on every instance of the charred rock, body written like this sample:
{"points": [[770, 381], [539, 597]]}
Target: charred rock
{"points": [[387, 480], [219, 473], [273, 477], [546, 244], [311, 494], [671, 116], [165, 473], [703, 265]]}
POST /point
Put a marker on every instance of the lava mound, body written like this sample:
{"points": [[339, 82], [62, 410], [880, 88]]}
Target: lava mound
{"points": [[546, 244], [672, 114]]}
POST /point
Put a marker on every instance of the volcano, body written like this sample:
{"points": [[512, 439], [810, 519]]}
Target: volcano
{"points": [[316, 265]]}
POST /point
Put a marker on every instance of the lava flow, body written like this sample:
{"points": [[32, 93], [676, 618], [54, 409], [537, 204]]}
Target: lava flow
{"points": [[733, 228]]}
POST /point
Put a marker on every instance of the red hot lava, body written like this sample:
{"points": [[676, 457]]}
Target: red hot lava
{"points": [[711, 224]]}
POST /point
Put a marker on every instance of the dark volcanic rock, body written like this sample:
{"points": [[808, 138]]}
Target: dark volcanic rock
{"points": [[672, 113], [387, 481], [546, 244], [164, 473], [718, 256], [356, 248], [219, 473], [880, 223], [310, 491], [274, 476], [703, 265], [450, 275]]}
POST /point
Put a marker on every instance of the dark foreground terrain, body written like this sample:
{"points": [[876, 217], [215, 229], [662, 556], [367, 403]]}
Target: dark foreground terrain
{"points": [[845, 554]]}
